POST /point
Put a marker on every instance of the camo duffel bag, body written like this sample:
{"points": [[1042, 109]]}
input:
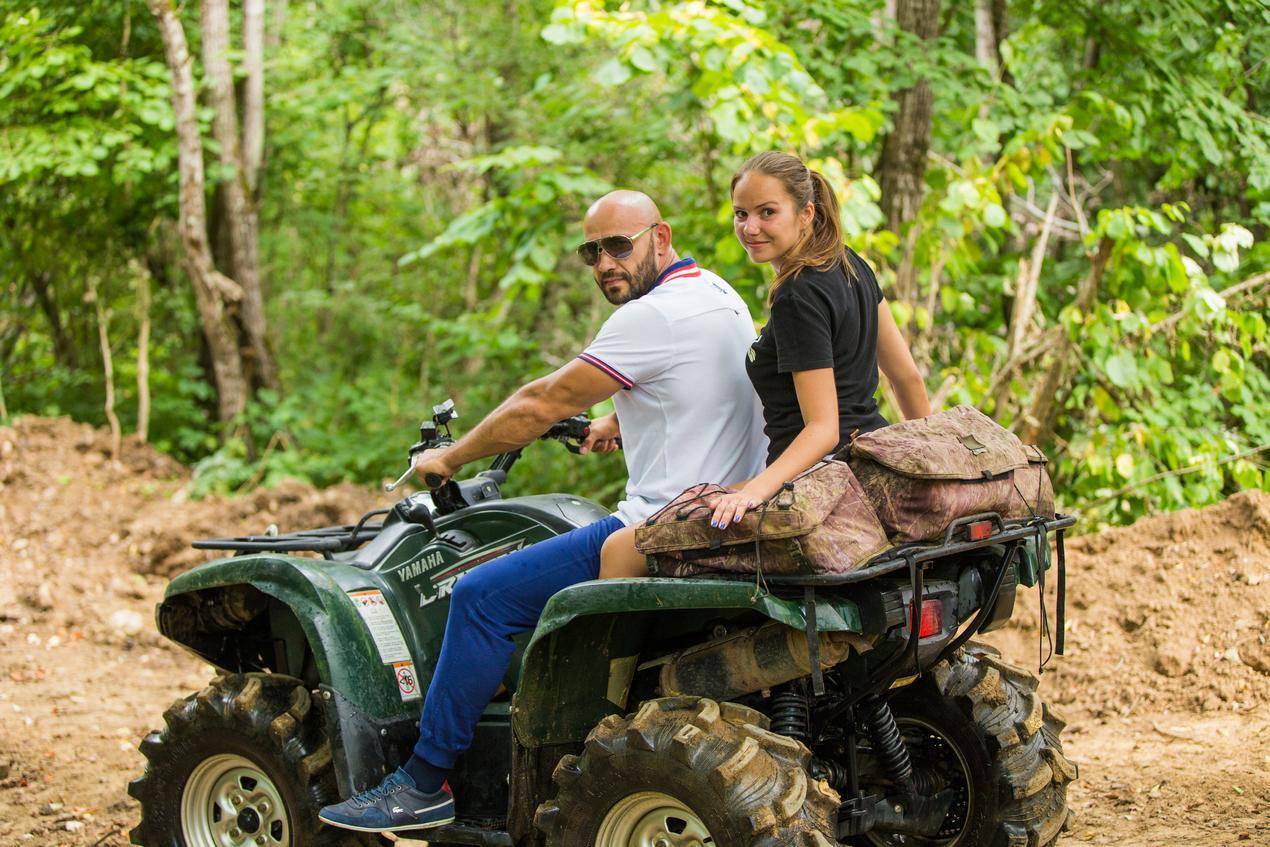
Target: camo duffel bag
{"points": [[922, 474], [819, 522]]}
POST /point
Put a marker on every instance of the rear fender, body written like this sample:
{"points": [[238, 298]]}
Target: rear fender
{"points": [[582, 657]]}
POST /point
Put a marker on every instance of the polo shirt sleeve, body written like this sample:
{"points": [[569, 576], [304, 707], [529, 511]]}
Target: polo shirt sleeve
{"points": [[633, 346], [804, 330]]}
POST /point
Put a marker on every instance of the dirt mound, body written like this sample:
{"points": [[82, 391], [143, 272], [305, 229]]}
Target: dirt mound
{"points": [[59, 472], [1170, 613], [161, 536]]}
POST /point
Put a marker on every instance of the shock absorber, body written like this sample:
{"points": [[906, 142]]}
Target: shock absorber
{"points": [[889, 745], [791, 716]]}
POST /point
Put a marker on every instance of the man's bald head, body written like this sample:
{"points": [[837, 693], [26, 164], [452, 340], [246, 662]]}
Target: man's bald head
{"points": [[632, 214], [620, 212]]}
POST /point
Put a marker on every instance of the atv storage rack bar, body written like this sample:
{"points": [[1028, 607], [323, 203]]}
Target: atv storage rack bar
{"points": [[327, 540], [898, 558]]}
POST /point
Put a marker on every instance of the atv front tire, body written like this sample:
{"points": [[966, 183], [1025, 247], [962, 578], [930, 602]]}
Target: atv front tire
{"points": [[688, 770], [976, 725], [243, 763]]}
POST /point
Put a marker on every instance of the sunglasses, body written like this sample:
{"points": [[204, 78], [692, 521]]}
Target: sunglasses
{"points": [[617, 246]]}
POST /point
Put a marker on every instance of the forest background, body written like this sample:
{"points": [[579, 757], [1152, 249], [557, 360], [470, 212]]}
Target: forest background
{"points": [[268, 236]]}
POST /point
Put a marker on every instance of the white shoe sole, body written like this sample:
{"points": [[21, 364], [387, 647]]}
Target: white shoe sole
{"points": [[429, 825]]}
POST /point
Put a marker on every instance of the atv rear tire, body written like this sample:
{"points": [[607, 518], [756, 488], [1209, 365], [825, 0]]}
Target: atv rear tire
{"points": [[245, 755], [982, 717], [688, 770]]}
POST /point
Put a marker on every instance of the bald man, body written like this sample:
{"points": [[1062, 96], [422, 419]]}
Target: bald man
{"points": [[672, 358]]}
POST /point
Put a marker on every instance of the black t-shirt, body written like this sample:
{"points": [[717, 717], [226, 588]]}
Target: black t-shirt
{"points": [[820, 319]]}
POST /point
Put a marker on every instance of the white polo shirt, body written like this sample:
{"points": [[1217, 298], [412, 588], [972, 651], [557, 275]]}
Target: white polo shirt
{"points": [[687, 409]]}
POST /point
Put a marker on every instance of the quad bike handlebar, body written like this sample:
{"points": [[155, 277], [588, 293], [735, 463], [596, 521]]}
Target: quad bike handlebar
{"points": [[433, 434]]}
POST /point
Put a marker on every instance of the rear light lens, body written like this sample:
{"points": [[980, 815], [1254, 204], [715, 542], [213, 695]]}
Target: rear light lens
{"points": [[979, 530], [932, 618]]}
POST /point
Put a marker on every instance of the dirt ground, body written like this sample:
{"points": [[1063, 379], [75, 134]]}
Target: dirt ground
{"points": [[1166, 681]]}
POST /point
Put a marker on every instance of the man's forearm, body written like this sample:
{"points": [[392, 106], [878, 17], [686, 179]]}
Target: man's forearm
{"points": [[515, 423]]}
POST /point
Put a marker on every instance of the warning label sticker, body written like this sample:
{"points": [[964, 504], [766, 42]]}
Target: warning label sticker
{"points": [[407, 682], [374, 610]]}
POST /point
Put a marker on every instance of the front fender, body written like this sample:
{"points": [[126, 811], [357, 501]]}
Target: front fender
{"points": [[579, 663], [316, 593]]}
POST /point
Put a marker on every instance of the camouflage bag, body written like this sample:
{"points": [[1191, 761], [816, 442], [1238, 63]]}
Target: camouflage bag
{"points": [[921, 475], [819, 522]]}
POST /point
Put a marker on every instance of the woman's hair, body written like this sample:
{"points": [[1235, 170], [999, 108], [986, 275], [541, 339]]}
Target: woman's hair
{"points": [[820, 248]]}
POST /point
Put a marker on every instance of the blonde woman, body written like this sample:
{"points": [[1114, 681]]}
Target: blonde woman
{"points": [[815, 364]]}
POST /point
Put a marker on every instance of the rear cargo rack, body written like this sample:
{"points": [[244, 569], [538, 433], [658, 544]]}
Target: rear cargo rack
{"points": [[899, 558]]}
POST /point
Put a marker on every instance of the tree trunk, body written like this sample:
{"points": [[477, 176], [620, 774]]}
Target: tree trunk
{"points": [[211, 288], [1038, 423], [1001, 31], [143, 355], [108, 369], [254, 93], [63, 349], [903, 162], [240, 212], [985, 37]]}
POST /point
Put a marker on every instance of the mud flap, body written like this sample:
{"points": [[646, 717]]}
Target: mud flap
{"points": [[363, 749]]}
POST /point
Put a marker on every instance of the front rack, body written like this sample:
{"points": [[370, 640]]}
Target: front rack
{"points": [[327, 540]]}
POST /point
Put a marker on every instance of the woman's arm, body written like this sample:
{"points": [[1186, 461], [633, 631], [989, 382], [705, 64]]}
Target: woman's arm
{"points": [[818, 401], [896, 362]]}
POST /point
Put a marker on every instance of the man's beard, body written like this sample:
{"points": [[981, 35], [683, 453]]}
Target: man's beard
{"points": [[640, 284]]}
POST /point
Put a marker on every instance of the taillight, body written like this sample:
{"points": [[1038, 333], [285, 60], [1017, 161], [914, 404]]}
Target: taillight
{"points": [[932, 618], [979, 530]]}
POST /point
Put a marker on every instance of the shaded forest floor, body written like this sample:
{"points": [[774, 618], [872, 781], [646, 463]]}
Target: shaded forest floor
{"points": [[1166, 683]]}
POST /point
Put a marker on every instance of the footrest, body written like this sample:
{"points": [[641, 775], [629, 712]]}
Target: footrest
{"points": [[463, 834]]}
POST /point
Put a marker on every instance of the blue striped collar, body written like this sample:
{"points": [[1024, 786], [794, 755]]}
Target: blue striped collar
{"points": [[687, 263]]}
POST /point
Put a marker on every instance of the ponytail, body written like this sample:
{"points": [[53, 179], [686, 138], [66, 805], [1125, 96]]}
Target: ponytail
{"points": [[821, 247]]}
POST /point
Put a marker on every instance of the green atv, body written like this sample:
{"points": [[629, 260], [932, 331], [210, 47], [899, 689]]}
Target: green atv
{"points": [[652, 712]]}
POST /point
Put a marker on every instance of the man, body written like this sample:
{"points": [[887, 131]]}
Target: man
{"points": [[672, 358]]}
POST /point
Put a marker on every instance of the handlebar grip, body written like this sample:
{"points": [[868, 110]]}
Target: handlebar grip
{"points": [[433, 480]]}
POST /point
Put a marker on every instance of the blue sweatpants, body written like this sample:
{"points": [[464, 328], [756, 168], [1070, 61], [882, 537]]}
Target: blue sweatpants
{"points": [[489, 605]]}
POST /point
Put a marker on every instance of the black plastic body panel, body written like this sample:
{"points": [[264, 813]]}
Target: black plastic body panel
{"points": [[482, 775]]}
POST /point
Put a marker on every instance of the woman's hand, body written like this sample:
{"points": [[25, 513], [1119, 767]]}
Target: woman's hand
{"points": [[730, 508]]}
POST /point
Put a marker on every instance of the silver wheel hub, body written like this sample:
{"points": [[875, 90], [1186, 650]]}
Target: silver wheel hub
{"points": [[229, 801], [652, 819]]}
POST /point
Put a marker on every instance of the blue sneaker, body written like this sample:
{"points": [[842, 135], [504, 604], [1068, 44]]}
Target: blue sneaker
{"points": [[395, 805]]}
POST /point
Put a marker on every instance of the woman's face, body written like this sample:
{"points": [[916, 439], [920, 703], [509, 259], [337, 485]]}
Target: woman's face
{"points": [[766, 218]]}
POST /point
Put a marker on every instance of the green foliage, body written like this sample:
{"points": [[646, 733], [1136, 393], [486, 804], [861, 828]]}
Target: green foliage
{"points": [[425, 175]]}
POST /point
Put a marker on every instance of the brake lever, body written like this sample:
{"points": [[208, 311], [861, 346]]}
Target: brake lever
{"points": [[401, 480]]}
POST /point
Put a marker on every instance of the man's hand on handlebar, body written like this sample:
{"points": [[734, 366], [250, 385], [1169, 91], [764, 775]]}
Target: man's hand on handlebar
{"points": [[431, 467], [603, 437]]}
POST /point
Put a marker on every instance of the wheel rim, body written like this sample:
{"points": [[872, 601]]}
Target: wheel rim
{"points": [[652, 819], [940, 763], [228, 801]]}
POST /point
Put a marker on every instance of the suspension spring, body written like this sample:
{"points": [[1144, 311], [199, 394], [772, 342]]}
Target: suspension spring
{"points": [[888, 744], [791, 715]]}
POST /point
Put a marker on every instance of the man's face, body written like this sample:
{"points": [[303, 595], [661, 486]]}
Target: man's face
{"points": [[623, 280]]}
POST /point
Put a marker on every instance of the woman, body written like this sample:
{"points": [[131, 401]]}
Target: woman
{"points": [[815, 364]]}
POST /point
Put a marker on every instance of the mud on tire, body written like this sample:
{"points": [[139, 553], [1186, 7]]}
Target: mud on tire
{"points": [[748, 786], [1010, 742], [265, 722]]}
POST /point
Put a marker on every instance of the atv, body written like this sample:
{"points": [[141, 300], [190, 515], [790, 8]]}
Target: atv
{"points": [[720, 709]]}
